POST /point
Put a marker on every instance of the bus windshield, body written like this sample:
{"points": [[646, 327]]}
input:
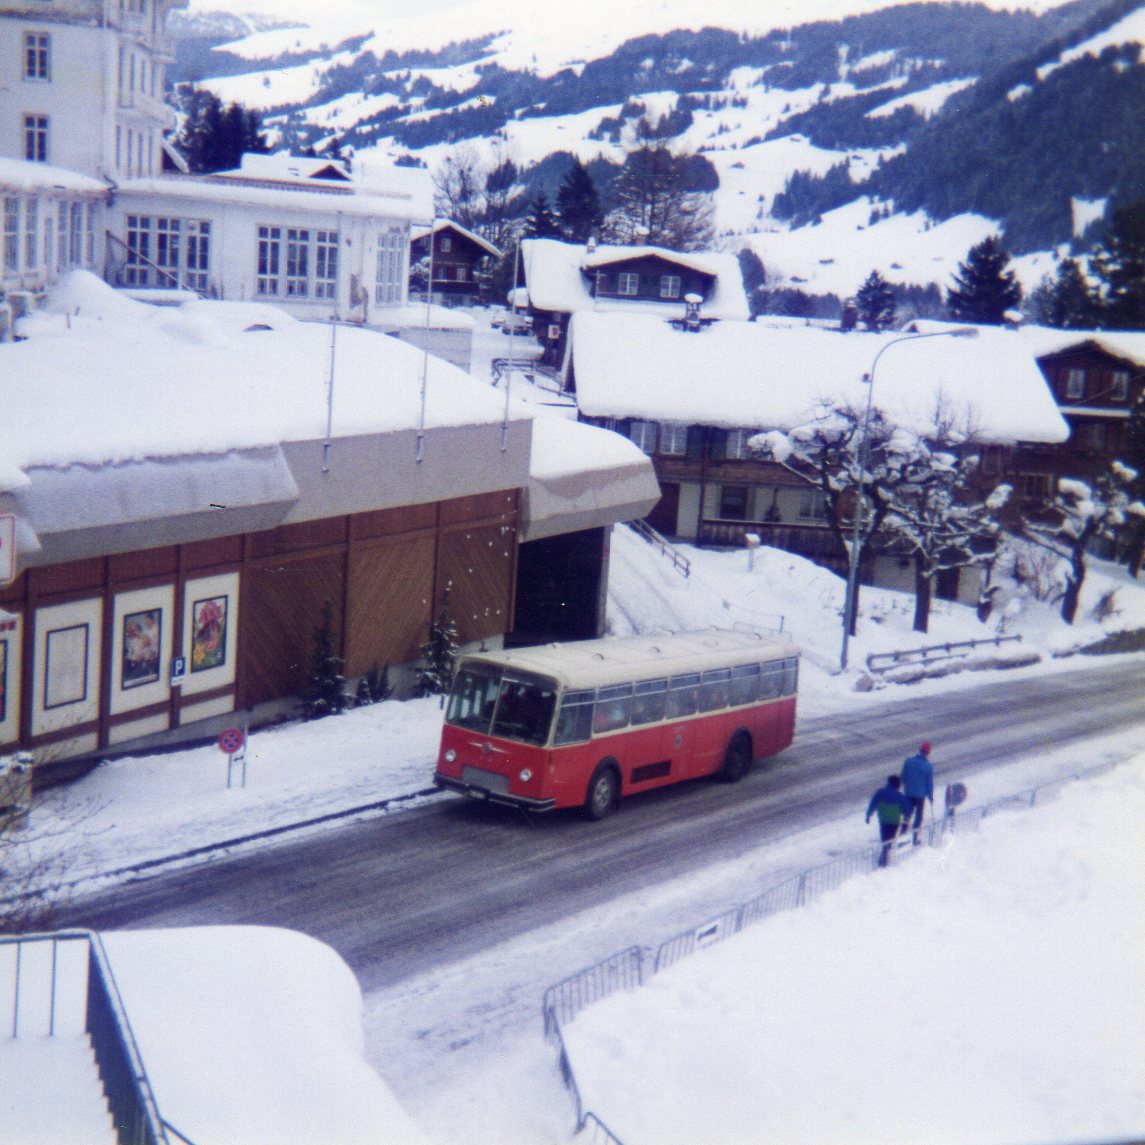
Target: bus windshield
{"points": [[490, 702]]}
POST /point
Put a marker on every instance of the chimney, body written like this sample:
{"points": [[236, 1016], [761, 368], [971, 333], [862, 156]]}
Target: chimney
{"points": [[590, 246]]}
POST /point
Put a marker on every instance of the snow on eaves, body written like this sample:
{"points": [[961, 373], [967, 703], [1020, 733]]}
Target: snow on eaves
{"points": [[107, 380], [39, 178], [746, 375], [1128, 345]]}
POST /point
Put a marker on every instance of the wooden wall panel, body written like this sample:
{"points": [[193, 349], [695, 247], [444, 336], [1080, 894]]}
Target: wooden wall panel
{"points": [[75, 576], [281, 610], [478, 506], [388, 602], [141, 565], [299, 537], [477, 564], [207, 554], [386, 522]]}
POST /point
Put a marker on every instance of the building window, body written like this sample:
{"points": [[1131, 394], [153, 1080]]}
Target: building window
{"points": [[75, 238], [11, 233], [733, 502], [269, 258], [1075, 385], [736, 448], [1092, 437], [670, 286], [297, 263], [37, 56], [198, 254], [31, 234], [627, 283], [643, 434], [326, 264], [673, 438], [1120, 388], [168, 233], [137, 269], [1035, 486], [388, 286], [90, 232], [36, 138], [812, 506], [446, 244]]}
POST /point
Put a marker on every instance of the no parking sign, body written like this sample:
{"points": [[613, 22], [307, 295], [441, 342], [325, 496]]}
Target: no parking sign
{"points": [[231, 740]]}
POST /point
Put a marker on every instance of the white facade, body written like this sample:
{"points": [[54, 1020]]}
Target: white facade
{"points": [[83, 83], [321, 245]]}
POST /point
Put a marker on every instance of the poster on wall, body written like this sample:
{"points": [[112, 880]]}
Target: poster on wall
{"points": [[208, 633], [3, 680], [142, 641], [65, 670]]}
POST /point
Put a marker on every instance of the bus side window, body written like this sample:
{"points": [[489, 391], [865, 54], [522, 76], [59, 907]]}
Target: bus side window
{"points": [[683, 695], [745, 684], [574, 721], [791, 675], [714, 689], [773, 680], [613, 706], [649, 698]]}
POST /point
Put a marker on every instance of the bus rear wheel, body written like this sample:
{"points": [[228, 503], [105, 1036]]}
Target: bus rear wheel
{"points": [[603, 791], [737, 759]]}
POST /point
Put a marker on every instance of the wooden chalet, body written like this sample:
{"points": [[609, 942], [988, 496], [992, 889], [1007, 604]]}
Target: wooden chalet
{"points": [[459, 260]]}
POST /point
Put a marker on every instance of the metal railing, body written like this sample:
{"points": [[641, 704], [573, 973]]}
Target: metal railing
{"points": [[931, 653], [644, 530], [625, 970], [126, 1086]]}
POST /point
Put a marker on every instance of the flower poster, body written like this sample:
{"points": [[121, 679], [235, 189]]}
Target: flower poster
{"points": [[208, 633]]}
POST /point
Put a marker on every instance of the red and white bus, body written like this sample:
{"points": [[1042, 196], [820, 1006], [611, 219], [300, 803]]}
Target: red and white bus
{"points": [[581, 724]]}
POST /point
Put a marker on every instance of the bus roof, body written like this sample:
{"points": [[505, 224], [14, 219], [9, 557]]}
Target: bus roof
{"points": [[617, 659]]}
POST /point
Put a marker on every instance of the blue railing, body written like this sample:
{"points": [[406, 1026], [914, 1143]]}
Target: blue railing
{"points": [[126, 1086]]}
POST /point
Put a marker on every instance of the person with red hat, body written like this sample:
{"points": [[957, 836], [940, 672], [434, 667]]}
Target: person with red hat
{"points": [[918, 785]]}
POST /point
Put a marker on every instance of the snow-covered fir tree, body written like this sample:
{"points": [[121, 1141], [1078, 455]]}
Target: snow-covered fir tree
{"points": [[438, 653], [985, 287], [325, 691], [875, 302]]}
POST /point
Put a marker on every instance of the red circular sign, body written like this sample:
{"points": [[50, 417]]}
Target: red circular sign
{"points": [[230, 741]]}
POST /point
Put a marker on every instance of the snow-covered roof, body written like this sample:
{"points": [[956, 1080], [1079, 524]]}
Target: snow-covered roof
{"points": [[439, 225], [1126, 344], [403, 199], [288, 168], [128, 425], [20, 175], [554, 272], [744, 375]]}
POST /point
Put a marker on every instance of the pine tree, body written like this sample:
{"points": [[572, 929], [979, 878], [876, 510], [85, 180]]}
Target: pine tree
{"points": [[325, 693], [1066, 300], [875, 302], [541, 223], [1120, 264], [214, 138], [754, 275], [985, 287], [439, 653], [578, 205]]}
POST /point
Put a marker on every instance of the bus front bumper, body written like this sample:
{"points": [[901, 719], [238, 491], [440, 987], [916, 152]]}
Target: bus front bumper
{"points": [[476, 791]]}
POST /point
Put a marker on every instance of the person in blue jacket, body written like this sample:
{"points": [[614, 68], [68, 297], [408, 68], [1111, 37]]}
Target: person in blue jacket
{"points": [[893, 810], [918, 785]]}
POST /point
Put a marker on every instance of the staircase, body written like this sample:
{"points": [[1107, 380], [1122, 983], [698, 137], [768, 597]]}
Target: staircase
{"points": [[679, 562]]}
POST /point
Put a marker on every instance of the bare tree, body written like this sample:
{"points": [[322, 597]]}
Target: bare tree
{"points": [[1078, 514], [459, 188]]}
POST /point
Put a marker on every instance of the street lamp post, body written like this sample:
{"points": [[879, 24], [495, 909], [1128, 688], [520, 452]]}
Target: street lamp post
{"points": [[850, 602]]}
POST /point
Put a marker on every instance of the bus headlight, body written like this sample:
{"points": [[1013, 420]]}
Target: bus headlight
{"points": [[450, 756], [525, 775]]}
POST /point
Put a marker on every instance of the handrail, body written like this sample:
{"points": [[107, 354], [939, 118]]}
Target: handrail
{"points": [[645, 531], [126, 1086], [946, 651], [173, 278]]}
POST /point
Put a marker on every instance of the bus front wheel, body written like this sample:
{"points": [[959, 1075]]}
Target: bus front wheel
{"points": [[603, 792], [737, 760]]}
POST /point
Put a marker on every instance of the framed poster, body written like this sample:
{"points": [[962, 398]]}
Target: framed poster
{"points": [[10, 641], [209, 633], [3, 682], [66, 651], [141, 643], [65, 666]]}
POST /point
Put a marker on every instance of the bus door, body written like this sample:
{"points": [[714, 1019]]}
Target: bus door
{"points": [[680, 731]]}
